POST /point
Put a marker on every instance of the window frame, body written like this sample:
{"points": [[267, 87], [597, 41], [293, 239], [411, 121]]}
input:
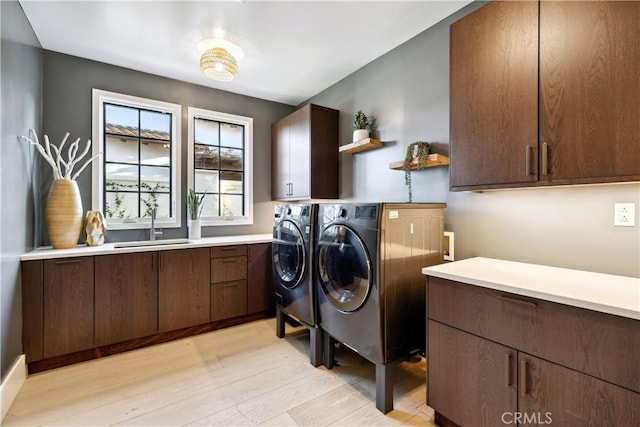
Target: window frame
{"points": [[101, 97], [199, 113]]}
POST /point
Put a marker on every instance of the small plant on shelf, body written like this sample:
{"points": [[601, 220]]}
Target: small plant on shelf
{"points": [[417, 153], [360, 126]]}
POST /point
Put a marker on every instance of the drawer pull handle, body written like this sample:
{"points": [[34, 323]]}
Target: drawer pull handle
{"points": [[230, 285], [527, 160], [507, 369], [69, 261], [545, 159], [523, 378], [518, 301], [228, 260], [228, 249]]}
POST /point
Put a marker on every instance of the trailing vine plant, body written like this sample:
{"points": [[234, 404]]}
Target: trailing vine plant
{"points": [[418, 152]]}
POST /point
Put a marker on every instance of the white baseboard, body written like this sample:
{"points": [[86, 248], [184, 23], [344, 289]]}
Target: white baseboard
{"points": [[12, 384]]}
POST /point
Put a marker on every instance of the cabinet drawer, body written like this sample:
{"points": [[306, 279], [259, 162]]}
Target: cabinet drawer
{"points": [[228, 300], [228, 269], [228, 251], [599, 344]]}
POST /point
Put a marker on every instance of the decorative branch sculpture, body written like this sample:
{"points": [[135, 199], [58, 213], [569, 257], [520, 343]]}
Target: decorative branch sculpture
{"points": [[53, 155]]}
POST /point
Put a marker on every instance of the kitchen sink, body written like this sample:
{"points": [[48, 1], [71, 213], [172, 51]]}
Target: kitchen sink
{"points": [[151, 243]]}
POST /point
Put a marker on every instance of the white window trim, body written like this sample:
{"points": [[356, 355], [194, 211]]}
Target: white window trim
{"points": [[99, 97], [247, 122]]}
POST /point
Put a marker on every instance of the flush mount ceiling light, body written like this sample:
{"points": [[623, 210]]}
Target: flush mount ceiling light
{"points": [[219, 59]]}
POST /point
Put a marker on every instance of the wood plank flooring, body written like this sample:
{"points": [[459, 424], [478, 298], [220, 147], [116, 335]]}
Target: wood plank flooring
{"points": [[239, 376]]}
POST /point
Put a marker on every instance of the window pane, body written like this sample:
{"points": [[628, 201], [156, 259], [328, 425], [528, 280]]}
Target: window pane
{"points": [[231, 205], [155, 153], [121, 120], [231, 182], [160, 201], [206, 180], [154, 179], [155, 125], [205, 157], [210, 206], [231, 159], [121, 149], [121, 177], [206, 132], [231, 135], [121, 205]]}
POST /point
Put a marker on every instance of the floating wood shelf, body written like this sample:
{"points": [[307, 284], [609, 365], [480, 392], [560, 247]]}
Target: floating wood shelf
{"points": [[362, 145], [433, 160]]}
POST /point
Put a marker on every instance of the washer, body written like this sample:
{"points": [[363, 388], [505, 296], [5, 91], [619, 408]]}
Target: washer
{"points": [[292, 248], [371, 292]]}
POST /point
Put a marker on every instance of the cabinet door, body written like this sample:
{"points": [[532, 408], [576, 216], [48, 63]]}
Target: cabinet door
{"points": [[68, 305], [566, 397], [280, 159], [494, 96], [32, 309], [471, 381], [183, 288], [228, 300], [260, 286], [126, 297], [300, 153], [228, 269], [589, 90]]}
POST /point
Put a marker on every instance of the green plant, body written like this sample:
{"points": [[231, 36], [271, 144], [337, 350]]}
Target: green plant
{"points": [[360, 121], [418, 151], [195, 204]]}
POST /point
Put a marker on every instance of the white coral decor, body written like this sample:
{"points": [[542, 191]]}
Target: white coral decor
{"points": [[53, 155]]}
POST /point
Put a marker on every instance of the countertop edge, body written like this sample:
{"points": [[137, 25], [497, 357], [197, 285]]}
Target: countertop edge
{"points": [[108, 248], [533, 293]]}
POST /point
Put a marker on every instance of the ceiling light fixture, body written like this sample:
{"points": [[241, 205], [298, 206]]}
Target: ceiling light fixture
{"points": [[219, 59]]}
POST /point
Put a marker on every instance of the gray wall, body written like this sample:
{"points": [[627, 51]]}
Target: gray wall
{"points": [[68, 82], [407, 90], [21, 104]]}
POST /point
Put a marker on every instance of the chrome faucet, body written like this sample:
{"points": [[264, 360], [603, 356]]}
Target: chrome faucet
{"points": [[152, 231]]}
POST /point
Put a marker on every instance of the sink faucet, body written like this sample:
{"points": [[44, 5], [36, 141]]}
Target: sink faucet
{"points": [[152, 231]]}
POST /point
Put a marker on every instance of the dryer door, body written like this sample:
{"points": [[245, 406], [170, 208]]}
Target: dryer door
{"points": [[289, 253], [344, 268]]}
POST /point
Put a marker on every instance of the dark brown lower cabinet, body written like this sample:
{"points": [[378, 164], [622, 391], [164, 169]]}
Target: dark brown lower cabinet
{"points": [[228, 300], [259, 286], [183, 288], [126, 296], [68, 306]]}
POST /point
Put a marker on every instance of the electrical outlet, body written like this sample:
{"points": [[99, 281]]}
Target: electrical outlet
{"points": [[624, 215]]}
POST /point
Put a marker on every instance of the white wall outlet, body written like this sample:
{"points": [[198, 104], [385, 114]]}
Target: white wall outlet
{"points": [[624, 215], [449, 246]]}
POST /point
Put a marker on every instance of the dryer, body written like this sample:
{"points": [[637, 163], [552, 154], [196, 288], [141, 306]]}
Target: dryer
{"points": [[292, 247], [371, 292]]}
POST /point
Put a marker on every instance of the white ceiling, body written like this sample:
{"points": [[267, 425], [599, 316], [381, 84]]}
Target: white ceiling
{"points": [[293, 49]]}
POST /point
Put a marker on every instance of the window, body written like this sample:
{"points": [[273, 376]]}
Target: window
{"points": [[140, 164], [220, 165]]}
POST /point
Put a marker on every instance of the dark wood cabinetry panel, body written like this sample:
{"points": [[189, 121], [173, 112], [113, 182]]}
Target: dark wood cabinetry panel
{"points": [[228, 300], [471, 381], [126, 296], [304, 154], [494, 95], [259, 279], [68, 305], [589, 90], [32, 310], [569, 398], [183, 288], [228, 251], [228, 269]]}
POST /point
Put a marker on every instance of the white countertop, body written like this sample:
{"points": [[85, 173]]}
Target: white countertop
{"points": [[607, 293], [107, 249]]}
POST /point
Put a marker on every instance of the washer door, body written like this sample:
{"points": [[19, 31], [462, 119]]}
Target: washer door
{"points": [[289, 253], [344, 268]]}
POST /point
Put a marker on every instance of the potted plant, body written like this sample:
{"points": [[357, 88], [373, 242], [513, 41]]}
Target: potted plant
{"points": [[415, 158], [195, 205], [360, 125]]}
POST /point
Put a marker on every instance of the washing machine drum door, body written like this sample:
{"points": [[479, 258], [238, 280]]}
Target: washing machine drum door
{"points": [[289, 254], [344, 268]]}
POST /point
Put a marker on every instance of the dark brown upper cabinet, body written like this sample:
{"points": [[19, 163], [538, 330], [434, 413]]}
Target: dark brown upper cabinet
{"points": [[545, 94], [304, 155]]}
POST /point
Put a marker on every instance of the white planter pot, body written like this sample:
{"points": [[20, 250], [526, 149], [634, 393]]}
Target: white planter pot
{"points": [[194, 229], [360, 134]]}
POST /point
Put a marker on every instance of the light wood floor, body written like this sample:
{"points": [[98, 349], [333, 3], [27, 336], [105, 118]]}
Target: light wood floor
{"points": [[240, 376]]}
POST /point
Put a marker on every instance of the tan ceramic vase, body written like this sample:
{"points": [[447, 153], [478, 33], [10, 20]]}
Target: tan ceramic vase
{"points": [[64, 214], [94, 228]]}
